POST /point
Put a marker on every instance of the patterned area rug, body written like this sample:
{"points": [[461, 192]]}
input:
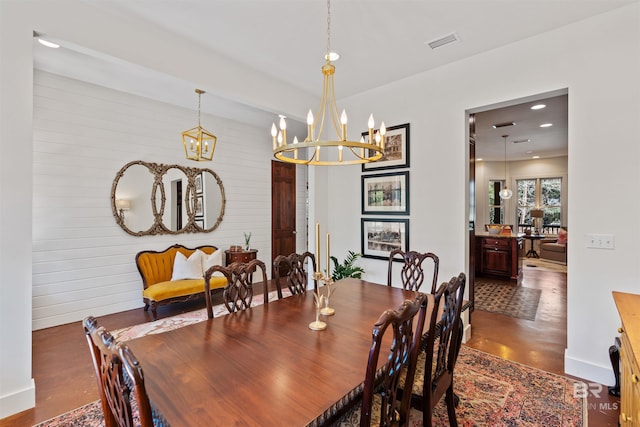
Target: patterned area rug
{"points": [[507, 299], [492, 392]]}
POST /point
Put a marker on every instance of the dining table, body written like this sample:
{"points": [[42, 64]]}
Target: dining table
{"points": [[264, 366]]}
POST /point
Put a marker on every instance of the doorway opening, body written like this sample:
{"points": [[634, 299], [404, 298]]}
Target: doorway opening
{"points": [[521, 144]]}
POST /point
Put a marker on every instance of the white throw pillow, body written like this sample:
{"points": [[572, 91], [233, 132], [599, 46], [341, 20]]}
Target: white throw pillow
{"points": [[209, 261], [187, 268]]}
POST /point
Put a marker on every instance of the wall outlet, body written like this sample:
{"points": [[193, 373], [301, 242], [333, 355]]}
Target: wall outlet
{"points": [[600, 241]]}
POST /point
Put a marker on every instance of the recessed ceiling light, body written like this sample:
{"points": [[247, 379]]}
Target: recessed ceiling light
{"points": [[538, 107], [479, 159], [546, 125], [332, 56], [47, 43], [502, 125], [535, 157], [529, 152]]}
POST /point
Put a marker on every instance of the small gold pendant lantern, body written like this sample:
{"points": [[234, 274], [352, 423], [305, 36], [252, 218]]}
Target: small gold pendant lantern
{"points": [[199, 143]]}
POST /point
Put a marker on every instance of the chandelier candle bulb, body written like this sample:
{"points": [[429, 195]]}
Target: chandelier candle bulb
{"points": [[274, 134], [383, 131], [340, 153], [295, 152], [343, 122], [283, 129], [328, 255], [318, 245], [309, 126]]}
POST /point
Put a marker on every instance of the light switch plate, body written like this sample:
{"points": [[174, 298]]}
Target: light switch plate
{"points": [[600, 241]]}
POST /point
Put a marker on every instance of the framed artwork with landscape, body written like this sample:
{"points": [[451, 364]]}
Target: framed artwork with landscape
{"points": [[386, 193], [380, 236], [396, 149]]}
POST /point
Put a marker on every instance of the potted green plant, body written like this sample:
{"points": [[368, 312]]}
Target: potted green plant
{"points": [[347, 268], [247, 240]]}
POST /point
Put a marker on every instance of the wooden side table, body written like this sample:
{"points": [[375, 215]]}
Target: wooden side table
{"points": [[532, 252], [240, 256]]}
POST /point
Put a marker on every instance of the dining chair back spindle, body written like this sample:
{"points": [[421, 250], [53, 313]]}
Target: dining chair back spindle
{"points": [[412, 274], [293, 269], [379, 405], [120, 380], [238, 292]]}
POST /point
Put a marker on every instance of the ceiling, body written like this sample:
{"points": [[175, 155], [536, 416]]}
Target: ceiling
{"points": [[531, 139], [380, 41]]}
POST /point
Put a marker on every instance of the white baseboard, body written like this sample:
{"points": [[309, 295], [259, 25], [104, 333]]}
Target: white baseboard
{"points": [[18, 401], [466, 334], [588, 371]]}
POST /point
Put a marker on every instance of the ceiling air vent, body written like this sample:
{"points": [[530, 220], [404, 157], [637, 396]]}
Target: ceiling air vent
{"points": [[520, 141], [503, 125], [448, 39]]}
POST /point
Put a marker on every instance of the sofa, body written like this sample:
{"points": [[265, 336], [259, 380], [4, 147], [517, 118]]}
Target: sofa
{"points": [[555, 249], [176, 274]]}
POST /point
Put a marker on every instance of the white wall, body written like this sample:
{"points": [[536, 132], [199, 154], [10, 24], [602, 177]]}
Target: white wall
{"points": [[598, 61], [83, 262], [17, 389], [555, 167]]}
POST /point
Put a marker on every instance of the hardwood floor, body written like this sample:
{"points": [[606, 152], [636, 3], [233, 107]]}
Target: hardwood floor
{"points": [[65, 380]]}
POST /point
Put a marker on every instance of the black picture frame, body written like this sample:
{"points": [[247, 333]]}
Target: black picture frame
{"points": [[385, 193], [396, 151], [198, 207], [379, 236], [198, 183]]}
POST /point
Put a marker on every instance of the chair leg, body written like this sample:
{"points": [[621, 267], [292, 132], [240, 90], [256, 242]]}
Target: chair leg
{"points": [[154, 310], [427, 414], [146, 306], [451, 406]]}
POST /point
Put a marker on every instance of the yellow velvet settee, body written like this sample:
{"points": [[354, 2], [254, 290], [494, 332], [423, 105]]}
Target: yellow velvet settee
{"points": [[156, 269]]}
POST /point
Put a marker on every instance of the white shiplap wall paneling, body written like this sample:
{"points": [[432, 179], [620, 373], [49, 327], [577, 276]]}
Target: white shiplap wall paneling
{"points": [[83, 263]]}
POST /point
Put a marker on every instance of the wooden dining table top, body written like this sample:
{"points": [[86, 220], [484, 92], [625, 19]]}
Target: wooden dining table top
{"points": [[264, 366]]}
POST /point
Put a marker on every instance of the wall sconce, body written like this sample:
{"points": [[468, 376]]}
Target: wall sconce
{"points": [[123, 205]]}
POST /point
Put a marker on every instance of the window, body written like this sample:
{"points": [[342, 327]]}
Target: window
{"points": [[496, 204], [544, 193]]}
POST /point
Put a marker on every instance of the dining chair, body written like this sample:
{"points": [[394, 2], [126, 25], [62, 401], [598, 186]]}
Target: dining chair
{"points": [[436, 361], [120, 380], [379, 405], [412, 274], [238, 292], [292, 268]]}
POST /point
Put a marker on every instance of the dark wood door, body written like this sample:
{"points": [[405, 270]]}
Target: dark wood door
{"points": [[283, 208]]}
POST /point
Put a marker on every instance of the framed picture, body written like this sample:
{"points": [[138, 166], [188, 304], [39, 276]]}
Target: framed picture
{"points": [[386, 193], [200, 222], [198, 211], [199, 183], [396, 149], [381, 236]]}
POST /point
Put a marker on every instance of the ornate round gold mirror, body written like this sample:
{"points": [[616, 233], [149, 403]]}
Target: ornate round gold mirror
{"points": [[152, 198]]}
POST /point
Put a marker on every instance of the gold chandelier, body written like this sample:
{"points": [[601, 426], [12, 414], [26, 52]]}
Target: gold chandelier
{"points": [[198, 142], [316, 151]]}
